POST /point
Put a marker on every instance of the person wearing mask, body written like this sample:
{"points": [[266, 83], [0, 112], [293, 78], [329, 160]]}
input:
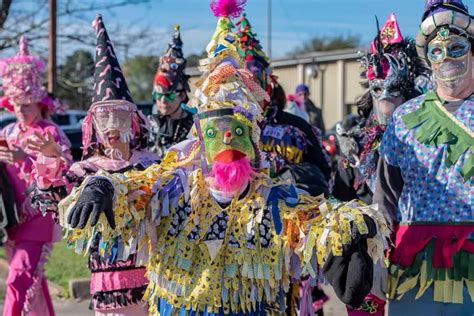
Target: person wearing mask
{"points": [[114, 143], [390, 70], [425, 175], [173, 120], [30, 235]]}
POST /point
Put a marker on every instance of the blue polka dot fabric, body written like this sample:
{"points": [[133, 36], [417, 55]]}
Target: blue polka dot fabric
{"points": [[432, 192]]}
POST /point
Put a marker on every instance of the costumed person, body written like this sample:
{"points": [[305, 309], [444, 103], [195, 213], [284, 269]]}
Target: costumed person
{"points": [[228, 237], [289, 144], [114, 141], [30, 235], [315, 113], [173, 120], [425, 175], [390, 70]]}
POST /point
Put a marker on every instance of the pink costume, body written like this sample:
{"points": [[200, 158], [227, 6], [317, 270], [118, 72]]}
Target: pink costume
{"points": [[29, 241]]}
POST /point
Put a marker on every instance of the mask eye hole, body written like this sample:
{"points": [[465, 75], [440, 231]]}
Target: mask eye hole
{"points": [[211, 132], [436, 51], [395, 92], [239, 131], [377, 91]]}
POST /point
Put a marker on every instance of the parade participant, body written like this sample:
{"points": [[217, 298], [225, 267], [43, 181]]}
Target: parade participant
{"points": [[425, 177], [173, 120], [30, 237], [228, 236], [114, 141], [390, 71]]}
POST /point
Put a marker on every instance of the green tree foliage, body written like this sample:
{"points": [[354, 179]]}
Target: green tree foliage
{"points": [[322, 44], [75, 79], [140, 71]]}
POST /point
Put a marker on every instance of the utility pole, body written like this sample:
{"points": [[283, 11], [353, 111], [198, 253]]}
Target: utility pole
{"points": [[269, 29], [52, 47]]}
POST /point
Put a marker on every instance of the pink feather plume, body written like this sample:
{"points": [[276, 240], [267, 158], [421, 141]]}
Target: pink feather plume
{"points": [[227, 8]]}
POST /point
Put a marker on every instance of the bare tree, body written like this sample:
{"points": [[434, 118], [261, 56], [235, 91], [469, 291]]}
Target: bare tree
{"points": [[30, 18], [74, 32]]}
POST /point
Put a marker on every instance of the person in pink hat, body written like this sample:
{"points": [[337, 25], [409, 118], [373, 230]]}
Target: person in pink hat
{"points": [[30, 238]]}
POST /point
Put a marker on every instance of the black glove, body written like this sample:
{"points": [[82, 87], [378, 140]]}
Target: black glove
{"points": [[350, 275], [96, 197]]}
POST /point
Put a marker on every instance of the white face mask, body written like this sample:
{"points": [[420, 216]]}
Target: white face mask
{"points": [[108, 118]]}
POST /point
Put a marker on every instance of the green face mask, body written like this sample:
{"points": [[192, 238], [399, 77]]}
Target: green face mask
{"points": [[168, 96], [226, 139]]}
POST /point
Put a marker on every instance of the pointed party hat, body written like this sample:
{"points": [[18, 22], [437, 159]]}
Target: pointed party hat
{"points": [[109, 82], [255, 58], [389, 34], [170, 75]]}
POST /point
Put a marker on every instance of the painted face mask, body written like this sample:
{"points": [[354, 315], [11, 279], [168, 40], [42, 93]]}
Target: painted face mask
{"points": [[449, 56], [226, 140], [389, 80]]}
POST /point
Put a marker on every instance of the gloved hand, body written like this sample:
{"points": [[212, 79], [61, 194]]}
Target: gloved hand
{"points": [[350, 275], [96, 197]]}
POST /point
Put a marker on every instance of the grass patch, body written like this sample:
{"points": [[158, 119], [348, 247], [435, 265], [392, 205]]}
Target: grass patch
{"points": [[64, 264]]}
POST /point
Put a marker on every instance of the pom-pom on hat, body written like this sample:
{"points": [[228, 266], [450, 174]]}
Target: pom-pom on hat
{"points": [[451, 13]]}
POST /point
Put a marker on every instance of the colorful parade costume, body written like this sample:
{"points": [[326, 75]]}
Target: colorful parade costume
{"points": [[390, 70], [425, 179], [31, 235], [117, 248], [227, 236], [170, 81]]}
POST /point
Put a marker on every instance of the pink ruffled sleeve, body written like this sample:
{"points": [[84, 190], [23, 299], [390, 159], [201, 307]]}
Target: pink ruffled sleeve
{"points": [[50, 171]]}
